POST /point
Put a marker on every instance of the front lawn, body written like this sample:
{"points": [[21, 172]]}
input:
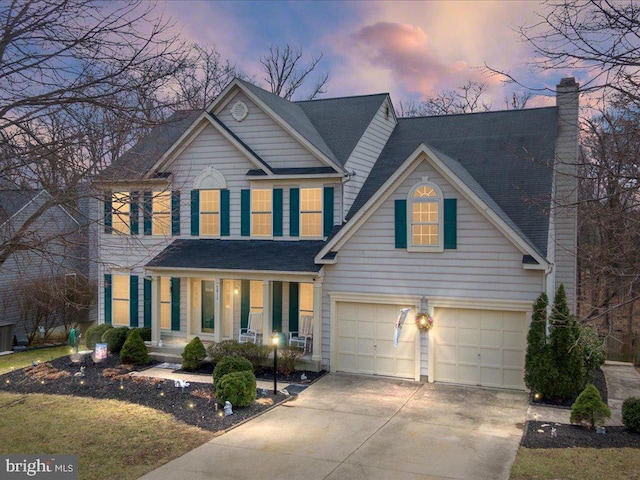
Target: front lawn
{"points": [[576, 464], [26, 358], [114, 440]]}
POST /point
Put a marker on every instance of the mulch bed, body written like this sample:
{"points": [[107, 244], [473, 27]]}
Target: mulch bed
{"points": [[561, 435], [196, 405]]}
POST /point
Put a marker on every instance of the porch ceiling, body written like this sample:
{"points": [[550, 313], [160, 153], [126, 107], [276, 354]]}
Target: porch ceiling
{"points": [[267, 255]]}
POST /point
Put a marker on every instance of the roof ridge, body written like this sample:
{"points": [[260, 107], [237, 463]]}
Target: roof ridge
{"points": [[506, 110], [343, 98]]}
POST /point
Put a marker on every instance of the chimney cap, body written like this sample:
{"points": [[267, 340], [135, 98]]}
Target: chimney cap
{"points": [[568, 82]]}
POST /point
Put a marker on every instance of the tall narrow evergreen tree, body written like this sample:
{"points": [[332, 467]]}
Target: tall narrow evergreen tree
{"points": [[534, 365], [565, 357]]}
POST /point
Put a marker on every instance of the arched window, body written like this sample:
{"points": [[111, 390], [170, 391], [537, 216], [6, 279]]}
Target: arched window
{"points": [[425, 216], [208, 202]]}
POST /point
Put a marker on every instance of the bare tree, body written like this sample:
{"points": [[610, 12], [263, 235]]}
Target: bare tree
{"points": [[72, 75], [518, 101], [468, 98], [203, 78], [286, 72]]}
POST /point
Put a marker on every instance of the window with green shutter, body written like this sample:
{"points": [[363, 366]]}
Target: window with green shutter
{"points": [[400, 223], [245, 212], [294, 212], [224, 213], [277, 212], [175, 304], [450, 223], [276, 308], [107, 299], [147, 302], [108, 214], [175, 212], [134, 212], [195, 213], [133, 301], [328, 210]]}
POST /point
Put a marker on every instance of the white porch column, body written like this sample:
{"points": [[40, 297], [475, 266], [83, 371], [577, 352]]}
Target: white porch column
{"points": [[155, 310], [317, 320], [266, 312], [189, 290], [217, 310]]}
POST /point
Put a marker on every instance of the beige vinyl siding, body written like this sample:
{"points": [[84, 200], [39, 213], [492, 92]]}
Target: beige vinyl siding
{"points": [[484, 266], [267, 138], [365, 154]]}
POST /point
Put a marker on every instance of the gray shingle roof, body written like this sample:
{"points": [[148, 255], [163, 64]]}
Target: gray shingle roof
{"points": [[263, 255], [509, 154], [294, 115], [11, 201], [143, 155], [342, 121]]}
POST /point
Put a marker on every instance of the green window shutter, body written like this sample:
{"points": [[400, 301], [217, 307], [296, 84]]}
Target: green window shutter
{"points": [[108, 214], [277, 213], [401, 223], [134, 213], [224, 213], [328, 210], [245, 305], [108, 297], [147, 303], [245, 213], [276, 310], [450, 223], [294, 306], [147, 211], [175, 212], [133, 301], [175, 304], [294, 212], [195, 213]]}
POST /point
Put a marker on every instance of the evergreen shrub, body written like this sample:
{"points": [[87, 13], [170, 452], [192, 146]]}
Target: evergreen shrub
{"points": [[589, 408], [115, 338], [239, 388], [232, 363], [193, 354], [134, 350], [94, 334], [631, 413]]}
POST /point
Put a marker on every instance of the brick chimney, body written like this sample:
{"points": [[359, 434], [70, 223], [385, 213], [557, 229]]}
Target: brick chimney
{"points": [[563, 228]]}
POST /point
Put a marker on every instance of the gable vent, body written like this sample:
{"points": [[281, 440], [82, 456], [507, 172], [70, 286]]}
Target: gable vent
{"points": [[239, 111]]}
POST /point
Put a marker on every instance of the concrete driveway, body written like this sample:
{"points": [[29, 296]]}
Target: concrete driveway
{"points": [[353, 427]]}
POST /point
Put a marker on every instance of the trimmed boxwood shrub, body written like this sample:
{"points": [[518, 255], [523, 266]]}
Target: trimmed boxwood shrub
{"points": [[94, 334], [589, 408], [115, 338], [145, 333], [257, 354], [134, 350], [631, 413], [230, 364], [193, 354], [239, 388]]}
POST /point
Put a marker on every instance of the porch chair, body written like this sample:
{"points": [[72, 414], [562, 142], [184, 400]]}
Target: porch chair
{"points": [[304, 337], [253, 329]]}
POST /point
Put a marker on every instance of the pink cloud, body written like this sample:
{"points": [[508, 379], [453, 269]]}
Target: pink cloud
{"points": [[404, 51]]}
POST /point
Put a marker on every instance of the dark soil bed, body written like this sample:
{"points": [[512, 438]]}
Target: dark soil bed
{"points": [[540, 435], [196, 405], [560, 435], [265, 373]]}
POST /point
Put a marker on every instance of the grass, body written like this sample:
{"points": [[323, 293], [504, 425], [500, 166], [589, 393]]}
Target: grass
{"points": [[576, 463], [26, 358], [114, 440]]}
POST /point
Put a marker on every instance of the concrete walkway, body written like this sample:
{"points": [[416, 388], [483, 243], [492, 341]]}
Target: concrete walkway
{"points": [[351, 427], [623, 381]]}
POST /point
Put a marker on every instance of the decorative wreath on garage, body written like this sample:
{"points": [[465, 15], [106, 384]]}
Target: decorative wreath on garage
{"points": [[424, 321]]}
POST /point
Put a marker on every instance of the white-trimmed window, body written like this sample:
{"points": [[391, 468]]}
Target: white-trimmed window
{"points": [[120, 205], [210, 212], [161, 213], [311, 212], [261, 212], [425, 216], [256, 296], [165, 303], [120, 300], [306, 299]]}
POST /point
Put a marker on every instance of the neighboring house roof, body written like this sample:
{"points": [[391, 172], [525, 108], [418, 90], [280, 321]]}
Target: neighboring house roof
{"points": [[294, 116], [12, 201], [509, 154], [342, 121], [245, 255], [145, 153]]}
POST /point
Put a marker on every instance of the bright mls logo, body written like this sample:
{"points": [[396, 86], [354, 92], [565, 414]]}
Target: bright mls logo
{"points": [[51, 467]]}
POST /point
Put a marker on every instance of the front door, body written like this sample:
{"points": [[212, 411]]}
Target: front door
{"points": [[208, 306]]}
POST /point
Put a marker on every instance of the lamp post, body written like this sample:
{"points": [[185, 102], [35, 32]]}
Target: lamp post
{"points": [[275, 339]]}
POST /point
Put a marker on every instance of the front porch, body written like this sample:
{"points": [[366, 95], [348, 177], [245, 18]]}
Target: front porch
{"points": [[173, 346], [216, 307]]}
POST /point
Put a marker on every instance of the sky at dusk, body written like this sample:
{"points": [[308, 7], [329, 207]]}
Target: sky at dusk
{"points": [[409, 49]]}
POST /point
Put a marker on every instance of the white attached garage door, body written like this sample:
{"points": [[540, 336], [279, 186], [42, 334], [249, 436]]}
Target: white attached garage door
{"points": [[480, 347], [365, 340]]}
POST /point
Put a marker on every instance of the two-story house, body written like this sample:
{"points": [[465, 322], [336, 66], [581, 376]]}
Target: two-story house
{"points": [[336, 208]]}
